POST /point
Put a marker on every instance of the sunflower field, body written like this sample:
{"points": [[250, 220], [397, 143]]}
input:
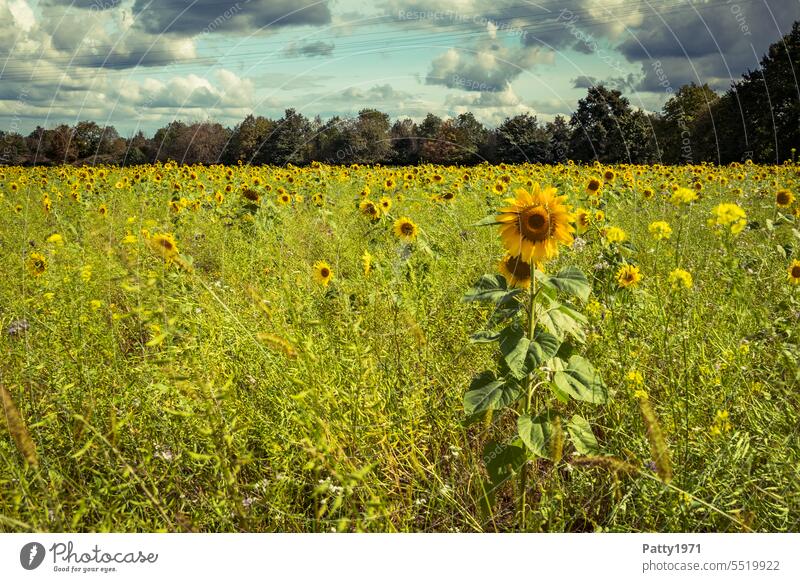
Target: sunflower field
{"points": [[494, 348]]}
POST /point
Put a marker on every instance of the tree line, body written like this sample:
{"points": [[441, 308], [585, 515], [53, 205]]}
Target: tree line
{"points": [[758, 118]]}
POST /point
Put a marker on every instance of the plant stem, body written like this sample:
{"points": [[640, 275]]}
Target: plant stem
{"points": [[528, 398]]}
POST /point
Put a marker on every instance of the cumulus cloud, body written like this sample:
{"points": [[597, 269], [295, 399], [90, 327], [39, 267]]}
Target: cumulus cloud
{"points": [[490, 68]]}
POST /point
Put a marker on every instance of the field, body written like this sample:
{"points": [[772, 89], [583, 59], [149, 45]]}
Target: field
{"points": [[262, 349]]}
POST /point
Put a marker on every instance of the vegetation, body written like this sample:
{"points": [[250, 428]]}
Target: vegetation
{"points": [[191, 348]]}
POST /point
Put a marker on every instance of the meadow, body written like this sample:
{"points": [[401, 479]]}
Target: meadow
{"points": [[226, 349]]}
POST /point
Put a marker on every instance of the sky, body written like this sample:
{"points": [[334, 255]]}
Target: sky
{"points": [[139, 64]]}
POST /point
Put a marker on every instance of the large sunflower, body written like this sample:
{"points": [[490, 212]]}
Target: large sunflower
{"points": [[794, 272], [534, 223], [516, 271]]}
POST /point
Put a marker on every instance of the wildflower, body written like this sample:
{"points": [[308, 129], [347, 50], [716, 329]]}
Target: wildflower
{"points": [[366, 261], [614, 234], [322, 273], [56, 239], [405, 229], [722, 423], [86, 273], [729, 214], [683, 196], [628, 276], [634, 378], [680, 279], [660, 230], [534, 223]]}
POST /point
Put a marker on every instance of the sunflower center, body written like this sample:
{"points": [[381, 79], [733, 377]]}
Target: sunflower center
{"points": [[325, 272], [796, 272], [783, 198], [407, 228], [535, 224], [519, 268]]}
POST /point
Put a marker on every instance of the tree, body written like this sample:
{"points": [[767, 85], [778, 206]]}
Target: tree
{"points": [[405, 142], [247, 138], [289, 142], [560, 134], [520, 139], [676, 126]]}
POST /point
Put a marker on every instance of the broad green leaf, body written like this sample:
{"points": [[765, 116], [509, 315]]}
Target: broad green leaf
{"points": [[561, 320], [486, 392], [581, 381], [543, 347], [503, 460], [514, 347], [569, 280], [582, 436], [542, 434], [484, 337], [491, 288]]}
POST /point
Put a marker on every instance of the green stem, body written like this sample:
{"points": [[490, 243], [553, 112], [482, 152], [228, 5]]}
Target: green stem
{"points": [[528, 397]]}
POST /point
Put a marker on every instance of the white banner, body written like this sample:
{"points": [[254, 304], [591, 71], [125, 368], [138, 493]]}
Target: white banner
{"points": [[406, 557]]}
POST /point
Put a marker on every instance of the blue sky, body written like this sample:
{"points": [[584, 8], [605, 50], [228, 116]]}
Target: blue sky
{"points": [[138, 64]]}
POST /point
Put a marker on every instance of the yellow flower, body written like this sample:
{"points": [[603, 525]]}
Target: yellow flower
{"points": [[86, 273], [366, 261], [583, 219], [386, 204], [729, 214], [516, 271], [56, 239], [322, 273], [102, 210], [679, 278], [634, 378], [369, 209], [722, 423], [660, 230], [535, 223], [794, 272], [37, 264], [628, 276], [614, 234], [683, 196], [594, 185], [96, 304], [129, 239], [405, 229], [165, 245], [784, 198]]}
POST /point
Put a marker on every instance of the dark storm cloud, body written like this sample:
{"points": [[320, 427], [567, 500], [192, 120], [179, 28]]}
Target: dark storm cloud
{"points": [[311, 49], [584, 82], [192, 17], [715, 43]]}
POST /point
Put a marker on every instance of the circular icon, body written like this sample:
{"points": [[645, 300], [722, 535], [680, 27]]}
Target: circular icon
{"points": [[31, 555]]}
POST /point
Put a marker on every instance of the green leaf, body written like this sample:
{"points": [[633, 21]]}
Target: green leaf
{"points": [[484, 337], [491, 288], [542, 434], [561, 320], [514, 347], [582, 436], [543, 347], [486, 392], [581, 381], [490, 220], [569, 280], [502, 460]]}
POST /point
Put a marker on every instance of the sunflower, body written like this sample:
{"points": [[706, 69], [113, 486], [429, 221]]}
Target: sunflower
{"points": [[389, 184], [583, 219], [729, 214], [386, 204], [628, 275], [516, 271], [593, 186], [794, 272], [369, 209], [102, 210], [534, 223], [683, 196], [499, 188], [609, 175], [322, 273], [405, 229], [284, 199], [37, 264], [251, 195], [165, 245], [784, 198]]}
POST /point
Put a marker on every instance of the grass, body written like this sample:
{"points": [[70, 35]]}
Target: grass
{"points": [[235, 393]]}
